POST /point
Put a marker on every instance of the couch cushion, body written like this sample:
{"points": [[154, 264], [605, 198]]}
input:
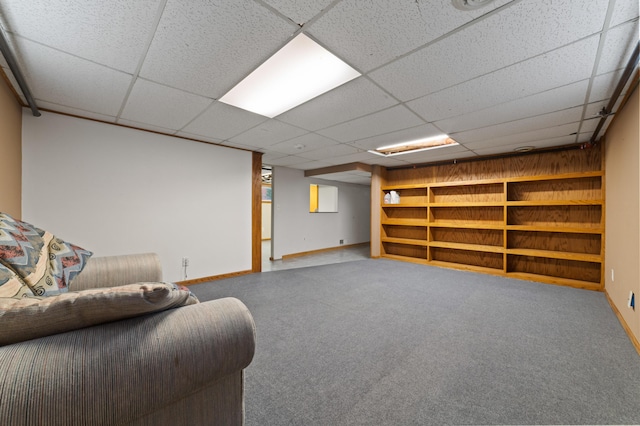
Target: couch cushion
{"points": [[32, 317], [11, 285], [45, 263]]}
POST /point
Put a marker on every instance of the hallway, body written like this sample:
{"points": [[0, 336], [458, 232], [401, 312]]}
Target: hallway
{"points": [[348, 254]]}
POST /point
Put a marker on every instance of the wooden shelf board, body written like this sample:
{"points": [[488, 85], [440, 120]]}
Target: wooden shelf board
{"points": [[568, 230], [536, 203], [588, 285], [467, 225], [407, 186], [470, 247], [578, 175], [466, 183], [407, 241], [469, 204], [582, 257], [465, 267], [424, 205], [405, 222], [406, 258]]}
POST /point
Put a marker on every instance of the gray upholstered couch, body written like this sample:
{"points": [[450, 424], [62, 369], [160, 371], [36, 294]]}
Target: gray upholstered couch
{"points": [[182, 366]]}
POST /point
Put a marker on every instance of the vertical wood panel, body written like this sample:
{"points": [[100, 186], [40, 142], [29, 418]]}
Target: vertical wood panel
{"points": [[256, 212], [378, 180]]}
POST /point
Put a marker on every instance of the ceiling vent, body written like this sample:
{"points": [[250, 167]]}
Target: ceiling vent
{"points": [[470, 4]]}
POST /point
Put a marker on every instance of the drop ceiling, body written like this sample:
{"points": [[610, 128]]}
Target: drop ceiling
{"points": [[511, 74]]}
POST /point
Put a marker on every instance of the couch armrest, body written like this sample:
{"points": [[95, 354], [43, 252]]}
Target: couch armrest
{"points": [[112, 271], [114, 373]]}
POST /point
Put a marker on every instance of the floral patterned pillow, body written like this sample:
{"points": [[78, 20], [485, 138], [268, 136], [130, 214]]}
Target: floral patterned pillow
{"points": [[46, 264]]}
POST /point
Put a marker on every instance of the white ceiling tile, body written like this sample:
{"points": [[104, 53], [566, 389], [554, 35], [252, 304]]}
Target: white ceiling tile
{"points": [[268, 133], [271, 156], [493, 43], [63, 79], [299, 11], [589, 126], [500, 149], [558, 68], [371, 33], [112, 33], [329, 152], [311, 165], [387, 121], [544, 121], [530, 106], [163, 106], [526, 138], [357, 157], [351, 100], [618, 46], [301, 144], [604, 85], [207, 47], [222, 121], [623, 11], [290, 160]]}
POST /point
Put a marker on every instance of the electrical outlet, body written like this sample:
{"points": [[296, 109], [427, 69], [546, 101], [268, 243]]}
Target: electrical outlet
{"points": [[341, 241]]}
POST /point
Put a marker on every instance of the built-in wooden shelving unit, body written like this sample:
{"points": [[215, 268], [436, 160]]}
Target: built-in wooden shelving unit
{"points": [[546, 227]]}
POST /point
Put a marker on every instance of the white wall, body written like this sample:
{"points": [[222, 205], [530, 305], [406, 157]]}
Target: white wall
{"points": [[115, 190], [295, 230]]}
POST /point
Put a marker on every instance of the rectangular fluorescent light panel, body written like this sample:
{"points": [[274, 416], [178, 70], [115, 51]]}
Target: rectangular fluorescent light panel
{"points": [[418, 145], [298, 72]]}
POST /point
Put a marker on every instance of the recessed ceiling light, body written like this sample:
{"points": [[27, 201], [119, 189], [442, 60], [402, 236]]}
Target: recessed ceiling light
{"points": [[298, 72], [470, 4], [417, 145]]}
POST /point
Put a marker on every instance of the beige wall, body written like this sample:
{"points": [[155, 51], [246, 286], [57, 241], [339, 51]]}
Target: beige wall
{"points": [[622, 245], [11, 149]]}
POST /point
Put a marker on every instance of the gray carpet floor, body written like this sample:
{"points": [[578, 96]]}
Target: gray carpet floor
{"points": [[379, 342]]}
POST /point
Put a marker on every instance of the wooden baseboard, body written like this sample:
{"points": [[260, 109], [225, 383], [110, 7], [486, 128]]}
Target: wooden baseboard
{"points": [[213, 278], [306, 253], [634, 339]]}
